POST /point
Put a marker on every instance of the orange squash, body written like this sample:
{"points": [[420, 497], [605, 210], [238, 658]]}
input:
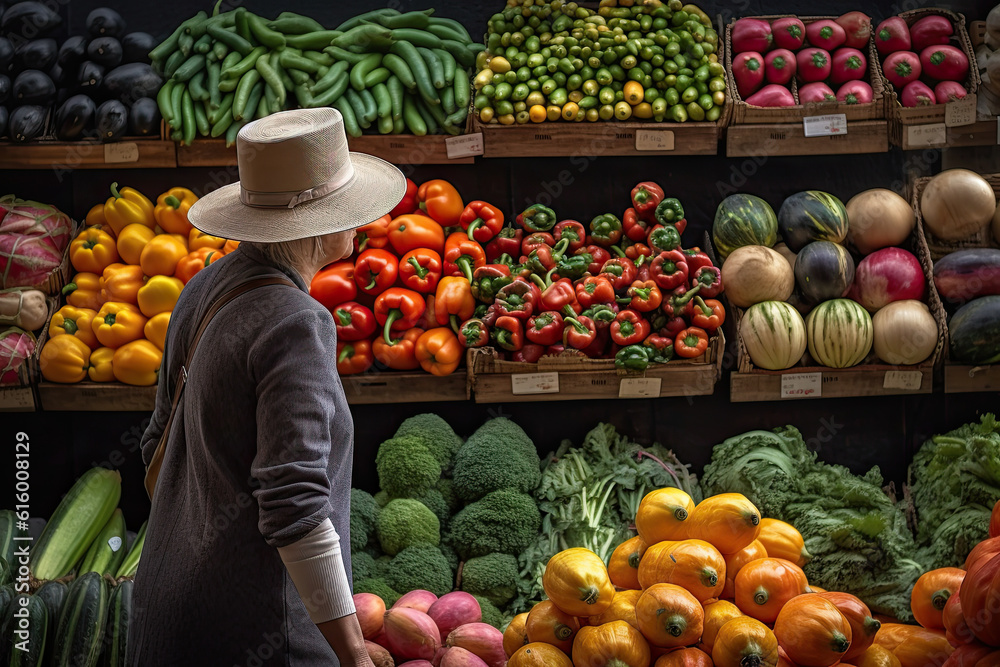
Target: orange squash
{"points": [[857, 613], [693, 564], [745, 641], [995, 521], [812, 631], [877, 656], [623, 567], [956, 630], [548, 624], [729, 521], [981, 598], [717, 614], [614, 644], [577, 581], [973, 655], [539, 655], [685, 657], [913, 645], [763, 587], [783, 660], [515, 636], [622, 609], [811, 588], [662, 514], [669, 616], [931, 593], [735, 562], [782, 540], [989, 547]]}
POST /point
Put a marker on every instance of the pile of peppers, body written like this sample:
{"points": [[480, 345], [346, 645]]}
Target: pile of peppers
{"points": [[439, 275]]}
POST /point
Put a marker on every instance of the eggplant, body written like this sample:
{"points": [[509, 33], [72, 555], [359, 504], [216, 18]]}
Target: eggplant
{"points": [[26, 123], [29, 20], [112, 121], [4, 88], [6, 54], [90, 76], [136, 47], [72, 52], [33, 87], [144, 118], [37, 54], [105, 22], [74, 118], [59, 77], [106, 51], [3, 121], [131, 82]]}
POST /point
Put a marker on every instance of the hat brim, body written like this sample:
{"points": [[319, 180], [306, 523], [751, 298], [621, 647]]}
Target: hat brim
{"points": [[376, 188]]}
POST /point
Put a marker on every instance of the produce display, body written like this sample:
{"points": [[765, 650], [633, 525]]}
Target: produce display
{"points": [[988, 59], [787, 61], [547, 61]]}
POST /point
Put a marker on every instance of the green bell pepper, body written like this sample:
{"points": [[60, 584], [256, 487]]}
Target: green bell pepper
{"points": [[537, 218], [669, 211], [632, 358]]}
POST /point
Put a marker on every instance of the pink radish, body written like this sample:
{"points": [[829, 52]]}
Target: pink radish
{"points": [[779, 66], [748, 72], [788, 33], [892, 35], [813, 64], [944, 62], [772, 95], [917, 94], [949, 91], [751, 35], [815, 93], [411, 633], [848, 65], [453, 610], [826, 34], [902, 68], [855, 92], [930, 31]]}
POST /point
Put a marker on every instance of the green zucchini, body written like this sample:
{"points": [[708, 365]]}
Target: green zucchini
{"points": [[53, 594], [116, 634], [107, 552], [8, 542], [82, 622], [27, 647], [6, 595], [5, 574], [131, 562], [76, 522]]}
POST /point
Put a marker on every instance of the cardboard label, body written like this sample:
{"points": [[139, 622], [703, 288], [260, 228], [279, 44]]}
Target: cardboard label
{"points": [[906, 380], [16, 398], [830, 125], [534, 383], [802, 385], [466, 145], [639, 387], [115, 543], [918, 136], [960, 112], [127, 151], [654, 140]]}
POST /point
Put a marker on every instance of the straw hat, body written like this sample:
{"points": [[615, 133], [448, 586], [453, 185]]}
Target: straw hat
{"points": [[298, 179]]}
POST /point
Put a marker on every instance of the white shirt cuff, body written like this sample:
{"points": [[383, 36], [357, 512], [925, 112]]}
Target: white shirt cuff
{"points": [[316, 568]]}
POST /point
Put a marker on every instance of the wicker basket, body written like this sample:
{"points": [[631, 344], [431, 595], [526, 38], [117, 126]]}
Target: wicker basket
{"points": [[938, 247]]}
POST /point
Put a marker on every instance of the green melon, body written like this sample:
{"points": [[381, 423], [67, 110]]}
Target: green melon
{"points": [[743, 220], [812, 216], [839, 333]]}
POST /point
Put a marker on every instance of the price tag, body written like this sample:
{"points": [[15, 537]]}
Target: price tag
{"points": [[466, 145], [960, 112], [639, 387], [831, 125], [919, 136], [654, 140], [121, 152], [16, 398], [115, 543], [802, 385], [534, 383], [906, 380]]}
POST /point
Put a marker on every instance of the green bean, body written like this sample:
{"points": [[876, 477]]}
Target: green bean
{"points": [[395, 88], [270, 76]]}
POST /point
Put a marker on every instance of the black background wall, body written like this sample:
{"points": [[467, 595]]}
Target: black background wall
{"points": [[858, 433]]}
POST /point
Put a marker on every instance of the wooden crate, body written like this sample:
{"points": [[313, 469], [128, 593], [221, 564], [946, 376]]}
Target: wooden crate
{"points": [[95, 397], [65, 156], [22, 397], [403, 387], [575, 378], [862, 136]]}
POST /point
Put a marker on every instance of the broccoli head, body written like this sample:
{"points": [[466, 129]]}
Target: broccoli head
{"points": [[497, 456], [382, 566], [493, 576], [436, 434], [420, 568], [362, 565], [450, 556], [447, 489], [436, 503], [406, 523], [504, 521], [491, 615], [381, 499], [364, 516], [406, 468], [377, 587]]}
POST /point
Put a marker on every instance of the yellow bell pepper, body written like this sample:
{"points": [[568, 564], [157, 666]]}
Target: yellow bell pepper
{"points": [[84, 291], [198, 239], [159, 295], [137, 363], [156, 329], [118, 323], [64, 359], [132, 240], [73, 321], [121, 282], [100, 365], [128, 207], [171, 211], [92, 250], [161, 255], [95, 218]]}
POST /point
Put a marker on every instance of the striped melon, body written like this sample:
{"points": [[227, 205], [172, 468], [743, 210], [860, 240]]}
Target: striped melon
{"points": [[774, 335], [116, 635], [812, 216], [26, 651], [743, 220], [839, 333], [82, 621]]}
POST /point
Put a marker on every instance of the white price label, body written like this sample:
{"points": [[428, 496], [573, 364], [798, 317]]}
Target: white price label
{"points": [[831, 125], [960, 112], [121, 152], [802, 385], [115, 543], [466, 145], [534, 383], [654, 140], [919, 136], [639, 387], [906, 380]]}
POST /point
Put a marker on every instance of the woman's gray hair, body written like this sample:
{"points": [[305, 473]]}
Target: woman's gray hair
{"points": [[292, 254]]}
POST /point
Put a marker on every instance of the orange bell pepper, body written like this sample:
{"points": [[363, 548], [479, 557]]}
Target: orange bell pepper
{"points": [[73, 321], [137, 363], [131, 240], [121, 282], [441, 201], [354, 357], [126, 207], [84, 291], [155, 330], [92, 250], [100, 365], [193, 262], [95, 218], [401, 354], [198, 239], [64, 359], [462, 256], [438, 351], [453, 302], [373, 235], [161, 256], [171, 210], [409, 232], [230, 246], [118, 323]]}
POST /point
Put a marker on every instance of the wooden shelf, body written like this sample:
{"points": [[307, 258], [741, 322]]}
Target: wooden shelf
{"points": [[833, 383], [95, 397], [965, 379], [863, 136], [60, 155], [17, 399], [416, 387], [980, 133]]}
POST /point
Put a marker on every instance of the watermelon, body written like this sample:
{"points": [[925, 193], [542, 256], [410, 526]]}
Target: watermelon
{"points": [[812, 216], [743, 220], [839, 333], [975, 331], [824, 270]]}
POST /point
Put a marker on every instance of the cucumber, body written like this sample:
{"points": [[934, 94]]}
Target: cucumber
{"points": [[82, 622], [131, 562], [53, 594], [26, 647], [116, 634], [107, 552], [76, 522]]}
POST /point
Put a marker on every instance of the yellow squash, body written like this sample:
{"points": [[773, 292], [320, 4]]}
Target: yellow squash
{"points": [[577, 581]]}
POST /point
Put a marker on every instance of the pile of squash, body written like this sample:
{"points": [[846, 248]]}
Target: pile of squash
{"points": [[717, 584]]}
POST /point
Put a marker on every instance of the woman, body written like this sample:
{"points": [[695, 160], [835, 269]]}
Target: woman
{"points": [[241, 563]]}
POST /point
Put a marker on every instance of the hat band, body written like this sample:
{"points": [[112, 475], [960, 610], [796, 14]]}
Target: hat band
{"points": [[294, 198]]}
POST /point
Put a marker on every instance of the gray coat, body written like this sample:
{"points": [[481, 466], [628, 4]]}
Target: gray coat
{"points": [[259, 455]]}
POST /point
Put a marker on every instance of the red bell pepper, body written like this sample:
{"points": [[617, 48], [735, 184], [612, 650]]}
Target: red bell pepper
{"points": [[398, 309], [572, 230], [640, 253], [420, 270], [635, 227], [579, 332], [601, 346], [709, 314], [334, 284], [400, 355], [673, 326], [506, 242], [353, 321], [598, 257], [441, 201], [691, 343], [629, 328], [508, 333], [487, 281], [679, 302], [518, 299], [481, 221], [408, 204], [453, 301], [373, 235], [660, 348], [545, 328], [696, 258], [669, 269], [555, 350], [375, 271], [595, 289], [535, 241], [529, 354], [710, 279], [429, 320], [621, 272], [646, 296], [462, 256], [409, 232], [474, 333], [354, 357], [559, 295], [646, 196]]}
